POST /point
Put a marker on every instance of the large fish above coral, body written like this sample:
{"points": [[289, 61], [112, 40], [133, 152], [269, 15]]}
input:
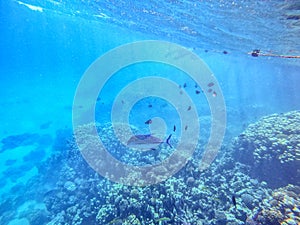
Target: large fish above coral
{"points": [[146, 142]]}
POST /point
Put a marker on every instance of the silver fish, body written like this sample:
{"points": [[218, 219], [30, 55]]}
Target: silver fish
{"points": [[146, 141]]}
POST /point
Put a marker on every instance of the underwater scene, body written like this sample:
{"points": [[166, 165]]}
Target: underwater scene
{"points": [[153, 112]]}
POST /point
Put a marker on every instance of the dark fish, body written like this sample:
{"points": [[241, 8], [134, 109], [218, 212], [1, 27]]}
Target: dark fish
{"points": [[209, 90], [255, 52], [233, 200], [210, 84], [150, 106], [198, 92], [184, 85], [148, 121], [225, 52], [174, 128], [186, 127], [168, 140], [146, 141], [189, 108]]}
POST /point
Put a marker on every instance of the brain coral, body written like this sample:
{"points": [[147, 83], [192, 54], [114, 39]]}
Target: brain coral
{"points": [[271, 147]]}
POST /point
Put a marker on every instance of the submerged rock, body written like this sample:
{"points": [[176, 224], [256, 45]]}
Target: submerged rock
{"points": [[271, 147], [221, 218], [70, 186], [248, 200]]}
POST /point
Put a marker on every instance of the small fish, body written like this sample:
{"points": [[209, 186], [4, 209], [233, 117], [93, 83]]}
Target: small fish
{"points": [[189, 108], [198, 92], [174, 128], [150, 106], [210, 84], [209, 90], [233, 200], [148, 121], [115, 220], [204, 188], [162, 219], [184, 85], [186, 127]]}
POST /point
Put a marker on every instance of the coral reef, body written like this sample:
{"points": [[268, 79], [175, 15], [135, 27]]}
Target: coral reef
{"points": [[282, 208], [73, 193], [83, 197], [271, 147]]}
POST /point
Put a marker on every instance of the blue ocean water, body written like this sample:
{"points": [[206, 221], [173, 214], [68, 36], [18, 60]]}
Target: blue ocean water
{"points": [[46, 48]]}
